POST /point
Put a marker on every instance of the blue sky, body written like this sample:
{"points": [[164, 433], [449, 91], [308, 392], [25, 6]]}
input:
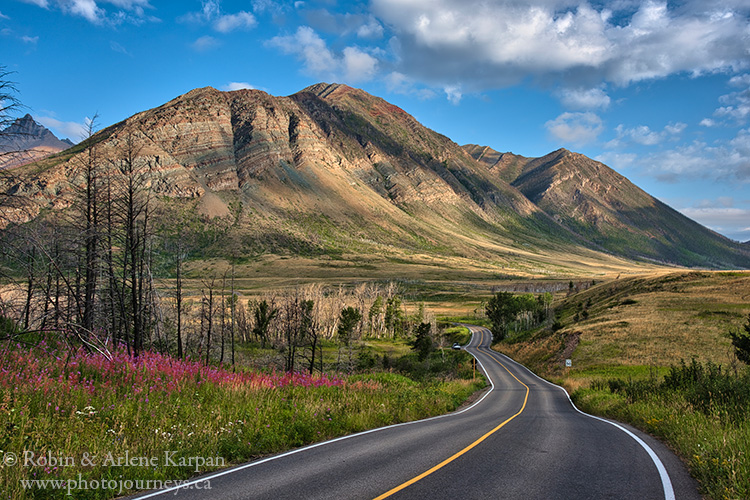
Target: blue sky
{"points": [[660, 91]]}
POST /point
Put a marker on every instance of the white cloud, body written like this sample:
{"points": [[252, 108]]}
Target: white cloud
{"points": [[727, 161], [353, 64], [720, 202], [740, 80], [275, 7], [675, 128], [736, 109], [3, 16], [618, 161], [310, 48], [238, 86], [584, 99], [371, 29], [730, 221], [399, 83], [209, 11], [116, 47], [364, 26], [211, 14], [72, 130], [130, 4], [688, 161], [30, 39], [231, 22], [205, 43], [84, 8], [39, 3], [453, 92], [358, 65], [487, 44], [643, 135], [575, 128], [132, 11]]}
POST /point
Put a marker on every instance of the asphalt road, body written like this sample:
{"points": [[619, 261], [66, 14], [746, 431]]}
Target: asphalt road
{"points": [[523, 440]]}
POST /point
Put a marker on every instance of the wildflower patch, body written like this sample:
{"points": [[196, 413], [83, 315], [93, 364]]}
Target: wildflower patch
{"points": [[104, 425]]}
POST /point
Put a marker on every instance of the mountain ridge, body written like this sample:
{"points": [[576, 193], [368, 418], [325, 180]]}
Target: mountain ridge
{"points": [[598, 203], [25, 141], [334, 169]]}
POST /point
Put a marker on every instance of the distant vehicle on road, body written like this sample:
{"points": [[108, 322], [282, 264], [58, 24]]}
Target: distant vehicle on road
{"points": [[456, 345]]}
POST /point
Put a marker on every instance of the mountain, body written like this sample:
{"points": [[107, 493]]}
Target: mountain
{"points": [[332, 172], [25, 141], [597, 203]]}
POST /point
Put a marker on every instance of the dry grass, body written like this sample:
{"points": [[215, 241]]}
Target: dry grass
{"points": [[631, 326], [659, 320]]}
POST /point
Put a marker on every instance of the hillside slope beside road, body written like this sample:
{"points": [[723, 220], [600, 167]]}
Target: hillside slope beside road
{"points": [[523, 439]]}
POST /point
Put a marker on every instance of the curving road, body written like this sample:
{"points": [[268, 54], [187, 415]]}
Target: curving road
{"points": [[523, 440]]}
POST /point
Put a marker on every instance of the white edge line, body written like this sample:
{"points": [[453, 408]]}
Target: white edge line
{"points": [[322, 443], [663, 474]]}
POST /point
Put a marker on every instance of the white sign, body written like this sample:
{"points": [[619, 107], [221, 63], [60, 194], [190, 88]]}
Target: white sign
{"points": [[568, 363]]}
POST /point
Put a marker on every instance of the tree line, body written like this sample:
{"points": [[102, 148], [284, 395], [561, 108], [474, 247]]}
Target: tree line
{"points": [[507, 311]]}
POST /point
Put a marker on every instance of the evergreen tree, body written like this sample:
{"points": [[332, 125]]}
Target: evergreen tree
{"points": [[741, 341], [422, 344]]}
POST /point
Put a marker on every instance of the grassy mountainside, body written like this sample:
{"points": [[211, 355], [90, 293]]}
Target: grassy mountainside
{"points": [[331, 176], [605, 208], [341, 177]]}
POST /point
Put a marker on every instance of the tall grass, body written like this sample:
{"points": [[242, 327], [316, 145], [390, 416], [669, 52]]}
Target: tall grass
{"points": [[700, 409], [81, 405]]}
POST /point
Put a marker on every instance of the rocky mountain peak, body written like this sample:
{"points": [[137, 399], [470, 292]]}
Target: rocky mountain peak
{"points": [[324, 90], [25, 140], [27, 128], [26, 125]]}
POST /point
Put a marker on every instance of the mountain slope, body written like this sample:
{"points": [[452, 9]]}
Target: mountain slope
{"points": [[25, 141], [329, 168], [332, 172], [507, 165], [601, 205]]}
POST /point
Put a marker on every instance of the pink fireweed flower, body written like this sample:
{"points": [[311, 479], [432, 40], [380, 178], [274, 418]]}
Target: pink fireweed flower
{"points": [[98, 375]]}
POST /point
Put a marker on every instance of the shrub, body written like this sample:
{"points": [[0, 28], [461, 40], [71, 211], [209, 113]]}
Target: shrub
{"points": [[741, 342]]}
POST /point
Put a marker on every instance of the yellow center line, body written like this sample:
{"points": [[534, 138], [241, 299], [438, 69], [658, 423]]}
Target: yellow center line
{"points": [[465, 450]]}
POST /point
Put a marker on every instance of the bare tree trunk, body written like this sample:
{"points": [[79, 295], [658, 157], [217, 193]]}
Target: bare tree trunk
{"points": [[223, 315], [209, 319], [234, 301], [30, 276], [178, 299]]}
